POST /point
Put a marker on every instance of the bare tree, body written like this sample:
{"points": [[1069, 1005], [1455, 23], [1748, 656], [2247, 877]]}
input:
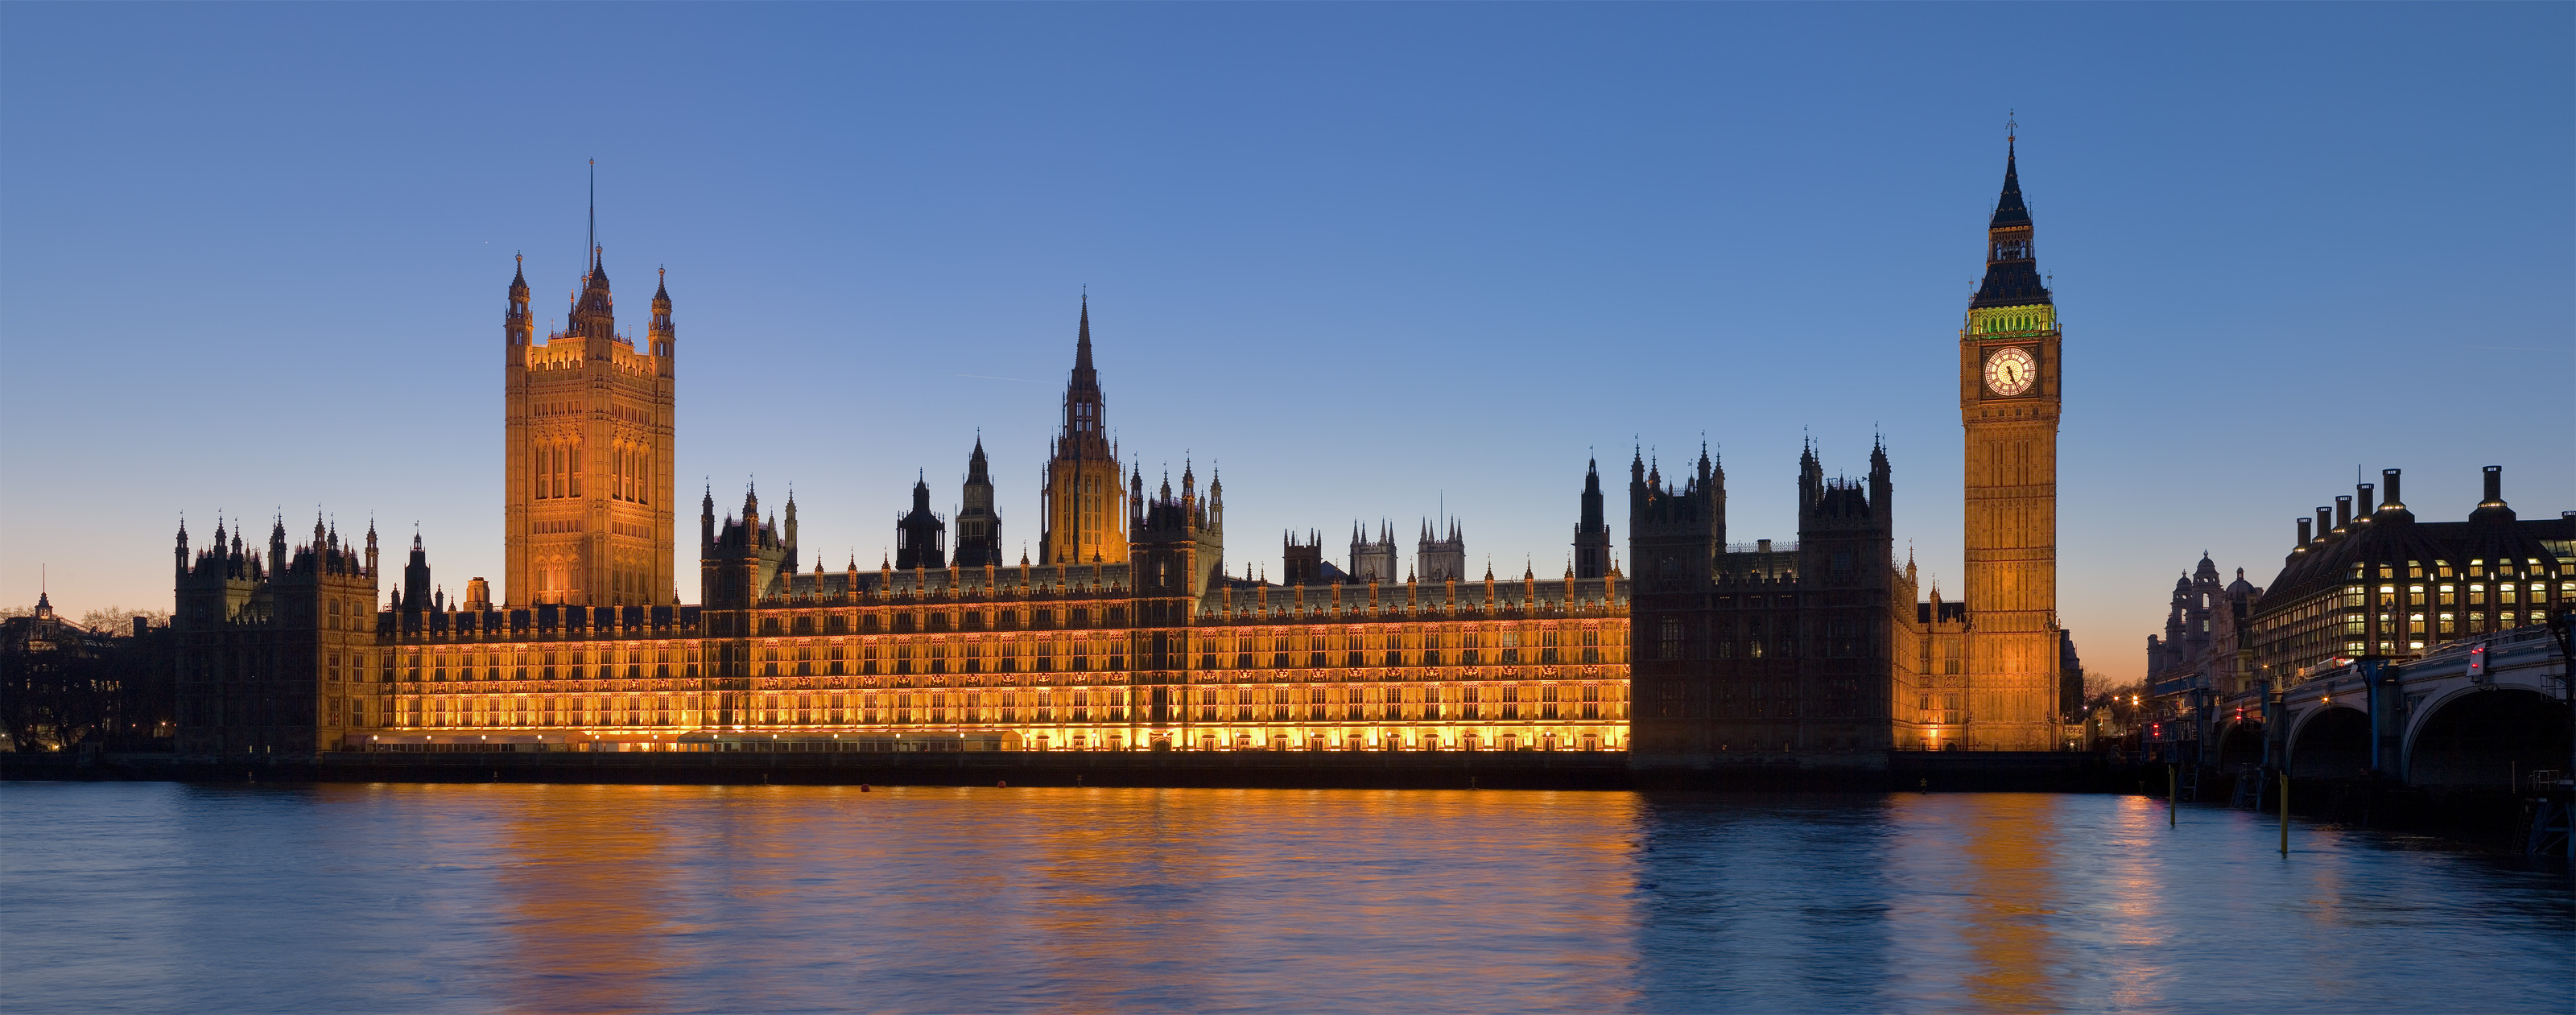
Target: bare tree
{"points": [[113, 620]]}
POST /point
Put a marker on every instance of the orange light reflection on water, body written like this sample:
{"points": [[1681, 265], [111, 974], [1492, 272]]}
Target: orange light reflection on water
{"points": [[639, 898]]}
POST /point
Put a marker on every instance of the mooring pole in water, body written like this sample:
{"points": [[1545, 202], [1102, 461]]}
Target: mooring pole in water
{"points": [[2173, 781], [2285, 812]]}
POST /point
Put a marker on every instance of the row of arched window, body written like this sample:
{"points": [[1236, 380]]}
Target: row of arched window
{"points": [[557, 467]]}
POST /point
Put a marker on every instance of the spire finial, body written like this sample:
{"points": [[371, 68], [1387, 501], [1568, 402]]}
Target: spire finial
{"points": [[594, 212], [1082, 340]]}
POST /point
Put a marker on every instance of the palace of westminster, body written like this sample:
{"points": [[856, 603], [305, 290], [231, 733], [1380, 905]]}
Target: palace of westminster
{"points": [[1128, 631]]}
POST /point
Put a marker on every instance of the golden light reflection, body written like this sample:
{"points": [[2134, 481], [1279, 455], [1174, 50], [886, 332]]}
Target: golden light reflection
{"points": [[648, 898], [2012, 899], [588, 919]]}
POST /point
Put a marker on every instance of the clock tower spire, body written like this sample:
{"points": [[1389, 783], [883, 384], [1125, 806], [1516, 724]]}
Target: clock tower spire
{"points": [[2009, 395]]}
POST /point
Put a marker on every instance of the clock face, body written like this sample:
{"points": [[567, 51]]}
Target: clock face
{"points": [[2010, 371]]}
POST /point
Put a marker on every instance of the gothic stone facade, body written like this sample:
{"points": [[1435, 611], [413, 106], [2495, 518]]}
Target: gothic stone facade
{"points": [[1128, 631], [276, 655], [1129, 634], [1820, 647]]}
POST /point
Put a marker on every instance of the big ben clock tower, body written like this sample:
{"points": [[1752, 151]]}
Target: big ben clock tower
{"points": [[2009, 394]]}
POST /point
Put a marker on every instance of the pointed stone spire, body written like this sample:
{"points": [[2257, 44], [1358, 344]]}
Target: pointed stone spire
{"points": [[2012, 269], [1082, 368], [2009, 209], [594, 313]]}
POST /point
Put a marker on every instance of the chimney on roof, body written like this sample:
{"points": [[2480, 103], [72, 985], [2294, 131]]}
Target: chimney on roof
{"points": [[2343, 512], [2493, 508], [2325, 522], [2364, 501], [2388, 479], [2303, 534]]}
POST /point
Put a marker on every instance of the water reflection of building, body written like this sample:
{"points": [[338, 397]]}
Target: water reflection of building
{"points": [[588, 885], [2010, 892]]}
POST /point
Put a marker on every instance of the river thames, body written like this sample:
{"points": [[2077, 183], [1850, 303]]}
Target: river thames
{"points": [[470, 898]]}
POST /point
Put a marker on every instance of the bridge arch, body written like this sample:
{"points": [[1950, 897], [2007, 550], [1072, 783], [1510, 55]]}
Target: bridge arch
{"points": [[2479, 737], [2240, 744], [2331, 743]]}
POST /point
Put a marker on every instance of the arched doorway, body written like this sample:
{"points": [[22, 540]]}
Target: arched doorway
{"points": [[2333, 744], [2483, 738]]}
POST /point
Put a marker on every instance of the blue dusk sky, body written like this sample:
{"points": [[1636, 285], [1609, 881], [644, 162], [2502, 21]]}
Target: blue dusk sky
{"points": [[1370, 260]]}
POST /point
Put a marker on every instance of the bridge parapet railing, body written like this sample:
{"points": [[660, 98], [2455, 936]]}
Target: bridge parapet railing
{"points": [[2322, 671], [2446, 651], [2449, 653]]}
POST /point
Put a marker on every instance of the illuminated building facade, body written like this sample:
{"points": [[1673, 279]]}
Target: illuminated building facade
{"points": [[2368, 579], [1162, 652], [1129, 634], [2009, 387], [1084, 497], [588, 501]]}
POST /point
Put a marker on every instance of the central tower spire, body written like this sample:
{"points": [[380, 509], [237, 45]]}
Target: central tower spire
{"points": [[1082, 369], [1086, 514]]}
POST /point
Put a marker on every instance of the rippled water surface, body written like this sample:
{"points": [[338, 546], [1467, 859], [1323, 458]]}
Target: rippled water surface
{"points": [[158, 897]]}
